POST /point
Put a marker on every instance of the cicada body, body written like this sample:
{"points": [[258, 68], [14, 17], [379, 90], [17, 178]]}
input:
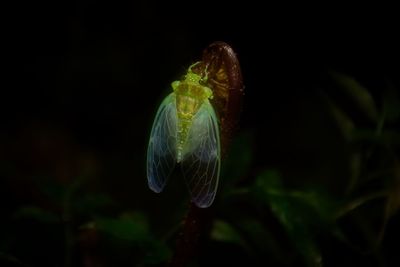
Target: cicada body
{"points": [[186, 131]]}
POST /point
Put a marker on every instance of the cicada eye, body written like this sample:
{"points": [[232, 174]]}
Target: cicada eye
{"points": [[203, 81]]}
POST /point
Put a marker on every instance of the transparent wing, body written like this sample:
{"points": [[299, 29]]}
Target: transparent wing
{"points": [[201, 156], [161, 152]]}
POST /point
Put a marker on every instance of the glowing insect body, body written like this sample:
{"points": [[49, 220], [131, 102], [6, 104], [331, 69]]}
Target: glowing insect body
{"points": [[186, 131]]}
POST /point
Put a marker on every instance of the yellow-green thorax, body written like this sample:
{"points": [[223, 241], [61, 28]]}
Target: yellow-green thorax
{"points": [[190, 95]]}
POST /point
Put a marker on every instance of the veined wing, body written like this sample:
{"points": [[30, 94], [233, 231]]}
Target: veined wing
{"points": [[161, 152], [201, 156]]}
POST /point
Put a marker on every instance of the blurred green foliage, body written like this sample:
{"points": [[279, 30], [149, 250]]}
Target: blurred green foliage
{"points": [[258, 214]]}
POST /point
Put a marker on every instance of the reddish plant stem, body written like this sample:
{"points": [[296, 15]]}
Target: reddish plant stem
{"points": [[221, 67], [196, 223]]}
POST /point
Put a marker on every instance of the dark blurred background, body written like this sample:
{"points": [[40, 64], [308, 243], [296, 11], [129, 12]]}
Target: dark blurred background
{"points": [[313, 174]]}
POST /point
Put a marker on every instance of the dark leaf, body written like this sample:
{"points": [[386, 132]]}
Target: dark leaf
{"points": [[237, 162], [224, 232], [298, 212], [129, 227], [391, 104], [36, 213], [360, 95], [343, 121]]}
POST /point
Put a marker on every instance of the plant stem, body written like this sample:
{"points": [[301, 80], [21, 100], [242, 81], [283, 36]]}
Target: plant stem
{"points": [[196, 223], [221, 66]]}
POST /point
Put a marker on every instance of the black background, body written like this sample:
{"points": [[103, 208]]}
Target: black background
{"points": [[83, 80]]}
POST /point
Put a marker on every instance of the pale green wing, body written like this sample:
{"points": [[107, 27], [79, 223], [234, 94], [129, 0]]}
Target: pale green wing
{"points": [[161, 152], [201, 156]]}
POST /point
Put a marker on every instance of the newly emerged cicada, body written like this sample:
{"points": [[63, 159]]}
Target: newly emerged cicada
{"points": [[186, 131]]}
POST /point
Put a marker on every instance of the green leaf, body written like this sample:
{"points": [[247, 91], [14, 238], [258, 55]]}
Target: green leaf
{"points": [[127, 227], [262, 239], [355, 165], [298, 212], [269, 181], [238, 159], [388, 137], [358, 93], [11, 260], [36, 213], [393, 199], [391, 104], [224, 232], [51, 189], [130, 234], [343, 121], [156, 253], [92, 202]]}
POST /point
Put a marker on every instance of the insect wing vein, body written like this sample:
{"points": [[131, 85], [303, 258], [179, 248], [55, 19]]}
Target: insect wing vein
{"points": [[201, 161], [161, 152]]}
